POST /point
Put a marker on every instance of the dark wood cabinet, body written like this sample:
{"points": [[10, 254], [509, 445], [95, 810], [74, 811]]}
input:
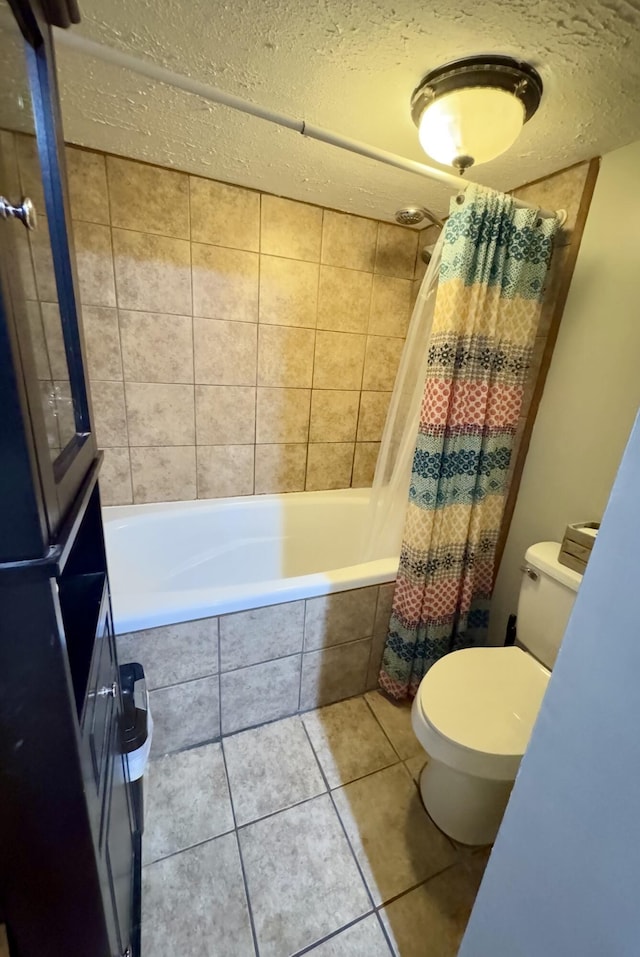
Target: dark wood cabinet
{"points": [[69, 838]]}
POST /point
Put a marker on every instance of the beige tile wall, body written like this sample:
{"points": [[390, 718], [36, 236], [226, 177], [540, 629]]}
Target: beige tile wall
{"points": [[236, 341]]}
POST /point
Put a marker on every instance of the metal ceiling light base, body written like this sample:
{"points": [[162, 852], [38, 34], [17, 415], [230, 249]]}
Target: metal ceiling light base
{"points": [[495, 94]]}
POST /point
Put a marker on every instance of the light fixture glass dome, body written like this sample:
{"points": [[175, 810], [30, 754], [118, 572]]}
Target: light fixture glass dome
{"points": [[471, 110], [471, 126]]}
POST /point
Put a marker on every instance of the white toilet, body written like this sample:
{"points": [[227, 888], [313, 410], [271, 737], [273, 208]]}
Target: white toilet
{"points": [[475, 708]]}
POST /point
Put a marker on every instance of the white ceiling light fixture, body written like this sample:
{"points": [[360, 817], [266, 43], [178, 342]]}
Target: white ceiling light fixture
{"points": [[471, 110]]}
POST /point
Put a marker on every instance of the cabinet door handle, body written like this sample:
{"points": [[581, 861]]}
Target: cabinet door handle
{"points": [[108, 691], [26, 212]]}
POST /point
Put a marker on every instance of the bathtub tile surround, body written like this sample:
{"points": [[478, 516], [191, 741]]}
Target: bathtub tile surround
{"points": [[158, 472], [290, 229], [280, 468], [344, 616], [249, 637], [174, 653], [220, 675], [250, 696], [329, 465], [329, 782], [185, 714], [224, 215], [364, 464], [334, 673], [225, 353], [208, 285], [380, 631], [223, 470]]}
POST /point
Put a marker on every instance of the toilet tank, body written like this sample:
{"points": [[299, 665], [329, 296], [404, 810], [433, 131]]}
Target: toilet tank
{"points": [[547, 593]]}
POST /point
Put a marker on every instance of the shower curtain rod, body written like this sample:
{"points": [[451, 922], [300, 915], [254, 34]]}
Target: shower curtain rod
{"points": [[107, 54]]}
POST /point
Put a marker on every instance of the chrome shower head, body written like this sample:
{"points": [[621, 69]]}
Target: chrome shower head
{"points": [[412, 215], [409, 216]]}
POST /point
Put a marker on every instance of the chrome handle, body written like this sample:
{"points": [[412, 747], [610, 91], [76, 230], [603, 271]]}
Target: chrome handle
{"points": [[108, 691], [26, 212], [530, 572]]}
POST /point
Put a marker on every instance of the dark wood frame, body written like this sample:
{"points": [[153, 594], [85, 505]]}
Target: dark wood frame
{"points": [[59, 485], [70, 850]]}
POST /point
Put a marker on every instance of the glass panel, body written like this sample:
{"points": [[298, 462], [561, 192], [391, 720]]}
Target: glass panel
{"points": [[32, 280]]}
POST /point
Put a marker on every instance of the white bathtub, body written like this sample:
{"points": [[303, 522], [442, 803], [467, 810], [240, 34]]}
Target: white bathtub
{"points": [[180, 561]]}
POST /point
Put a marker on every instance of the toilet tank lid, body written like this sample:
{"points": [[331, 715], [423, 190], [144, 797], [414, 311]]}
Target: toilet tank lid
{"points": [[544, 557]]}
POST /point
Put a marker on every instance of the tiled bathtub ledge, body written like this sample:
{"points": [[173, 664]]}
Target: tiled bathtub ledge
{"points": [[220, 675]]}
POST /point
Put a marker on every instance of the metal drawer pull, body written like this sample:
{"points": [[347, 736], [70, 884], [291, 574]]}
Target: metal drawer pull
{"points": [[531, 572], [26, 212], [108, 691]]}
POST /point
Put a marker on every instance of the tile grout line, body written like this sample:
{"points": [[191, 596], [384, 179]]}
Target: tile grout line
{"points": [[364, 357], [313, 368], [382, 726], [256, 384], [375, 617], [117, 308], [384, 930], [193, 351], [239, 846], [227, 385], [187, 747], [289, 807], [375, 908], [219, 641], [264, 817], [344, 830], [349, 844], [187, 681], [189, 847], [333, 934], [243, 249], [300, 717], [252, 727], [302, 644], [414, 887]]}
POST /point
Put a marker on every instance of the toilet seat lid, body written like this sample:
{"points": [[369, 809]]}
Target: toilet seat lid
{"points": [[485, 699]]}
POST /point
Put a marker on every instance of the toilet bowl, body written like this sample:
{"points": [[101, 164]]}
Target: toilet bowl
{"points": [[475, 708], [473, 715]]}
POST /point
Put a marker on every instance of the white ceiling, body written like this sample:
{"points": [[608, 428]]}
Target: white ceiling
{"points": [[350, 66]]}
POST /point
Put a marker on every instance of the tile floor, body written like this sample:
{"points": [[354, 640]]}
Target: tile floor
{"points": [[306, 835]]}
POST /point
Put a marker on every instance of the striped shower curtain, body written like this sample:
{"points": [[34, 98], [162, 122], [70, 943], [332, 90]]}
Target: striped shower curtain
{"points": [[494, 263]]}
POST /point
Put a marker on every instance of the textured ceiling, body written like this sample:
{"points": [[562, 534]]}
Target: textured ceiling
{"points": [[350, 66]]}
